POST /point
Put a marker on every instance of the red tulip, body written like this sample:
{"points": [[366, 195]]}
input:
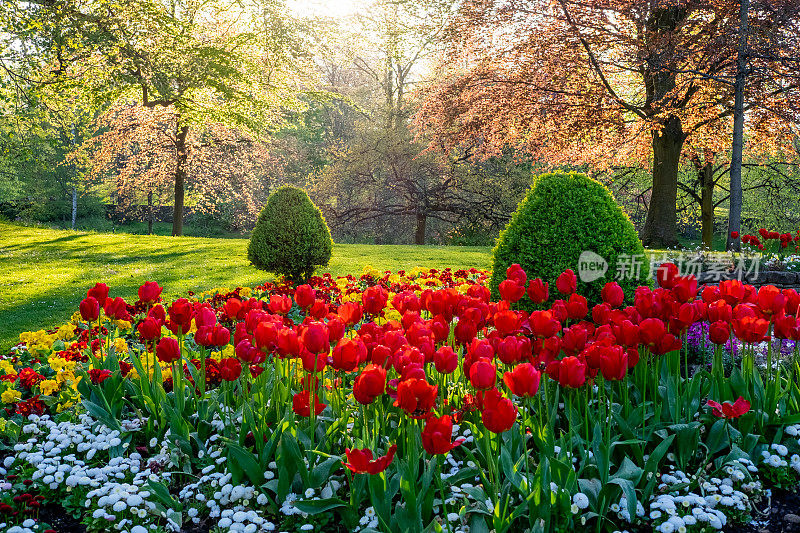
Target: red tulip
{"points": [[750, 329], [180, 316], [230, 369], [265, 335], [538, 291], [301, 403], [335, 328], [684, 288], [612, 294], [445, 360], [719, 332], [99, 292], [314, 337], [416, 397], [719, 311], [523, 381], [498, 413], [577, 307], [374, 299], [569, 372], [732, 291], [149, 329], [232, 307], [318, 309], [728, 409], [771, 300], [482, 374], [288, 342], [218, 336], [506, 322], [511, 350], [567, 282], [150, 292], [370, 384], [168, 350], [651, 330], [361, 462], [304, 295], [205, 317], [279, 304], [116, 309], [511, 291], [438, 434], [666, 274], [350, 313], [158, 314], [90, 309], [787, 327], [517, 274], [248, 353], [543, 324], [348, 353], [614, 363]]}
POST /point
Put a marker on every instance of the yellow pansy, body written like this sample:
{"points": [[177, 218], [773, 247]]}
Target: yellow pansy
{"points": [[392, 314], [6, 367], [245, 292], [120, 346], [10, 396], [48, 387], [122, 324], [64, 406], [65, 332]]}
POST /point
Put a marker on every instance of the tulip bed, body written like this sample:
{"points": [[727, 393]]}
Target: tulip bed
{"points": [[406, 402]]}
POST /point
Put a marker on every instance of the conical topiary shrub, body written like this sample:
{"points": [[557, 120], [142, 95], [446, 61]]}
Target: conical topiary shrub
{"points": [[567, 219], [291, 237]]}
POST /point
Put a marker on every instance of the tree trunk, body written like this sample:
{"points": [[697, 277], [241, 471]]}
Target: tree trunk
{"points": [[150, 212], [419, 237], [74, 186], [707, 205], [180, 179], [735, 210], [74, 205], [660, 226]]}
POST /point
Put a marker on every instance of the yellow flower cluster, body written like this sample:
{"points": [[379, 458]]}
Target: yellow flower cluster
{"points": [[6, 367], [38, 341], [65, 377], [10, 396]]}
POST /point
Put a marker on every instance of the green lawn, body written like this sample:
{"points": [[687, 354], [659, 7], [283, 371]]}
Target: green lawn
{"points": [[44, 273]]}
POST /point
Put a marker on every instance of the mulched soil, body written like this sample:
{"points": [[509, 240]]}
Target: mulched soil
{"points": [[782, 517], [60, 520]]}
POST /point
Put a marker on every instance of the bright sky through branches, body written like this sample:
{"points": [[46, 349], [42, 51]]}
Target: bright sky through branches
{"points": [[325, 8]]}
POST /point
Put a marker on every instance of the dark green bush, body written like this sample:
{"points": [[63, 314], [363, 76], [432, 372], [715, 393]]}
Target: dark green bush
{"points": [[291, 237], [563, 215]]}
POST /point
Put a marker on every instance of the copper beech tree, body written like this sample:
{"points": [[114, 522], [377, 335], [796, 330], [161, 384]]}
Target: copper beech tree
{"points": [[614, 82]]}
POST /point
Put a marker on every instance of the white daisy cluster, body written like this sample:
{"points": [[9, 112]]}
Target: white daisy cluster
{"points": [[74, 458], [623, 512], [232, 505], [776, 459], [28, 526], [711, 505], [369, 520], [124, 505]]}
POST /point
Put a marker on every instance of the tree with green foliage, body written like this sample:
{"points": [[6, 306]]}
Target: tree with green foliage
{"points": [[291, 237], [207, 62], [563, 216]]}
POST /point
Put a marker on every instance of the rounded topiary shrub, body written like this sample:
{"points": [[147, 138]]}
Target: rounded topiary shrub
{"points": [[570, 221], [291, 237]]}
